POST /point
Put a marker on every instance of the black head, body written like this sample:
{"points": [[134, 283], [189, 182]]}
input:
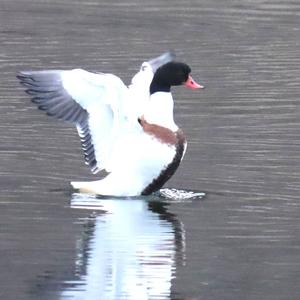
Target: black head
{"points": [[170, 74]]}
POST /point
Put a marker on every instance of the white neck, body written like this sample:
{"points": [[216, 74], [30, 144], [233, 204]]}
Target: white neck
{"points": [[159, 110]]}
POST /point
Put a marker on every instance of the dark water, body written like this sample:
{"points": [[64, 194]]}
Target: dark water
{"points": [[242, 241]]}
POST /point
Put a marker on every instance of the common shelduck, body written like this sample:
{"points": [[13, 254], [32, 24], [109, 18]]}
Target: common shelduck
{"points": [[127, 131]]}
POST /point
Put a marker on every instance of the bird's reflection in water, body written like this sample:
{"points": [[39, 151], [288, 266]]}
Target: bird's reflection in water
{"points": [[129, 250]]}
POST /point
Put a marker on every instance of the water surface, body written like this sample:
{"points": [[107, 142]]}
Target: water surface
{"points": [[239, 242]]}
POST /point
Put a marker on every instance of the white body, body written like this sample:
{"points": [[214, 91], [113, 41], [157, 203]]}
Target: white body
{"points": [[106, 115], [138, 159]]}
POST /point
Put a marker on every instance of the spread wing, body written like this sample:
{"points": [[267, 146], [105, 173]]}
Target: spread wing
{"points": [[100, 105], [93, 102]]}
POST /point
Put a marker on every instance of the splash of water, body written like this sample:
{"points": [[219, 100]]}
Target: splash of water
{"points": [[180, 195]]}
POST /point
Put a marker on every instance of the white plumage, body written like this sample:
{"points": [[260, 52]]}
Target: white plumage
{"points": [[106, 113]]}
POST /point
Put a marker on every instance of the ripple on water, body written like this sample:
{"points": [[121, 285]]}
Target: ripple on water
{"points": [[95, 202]]}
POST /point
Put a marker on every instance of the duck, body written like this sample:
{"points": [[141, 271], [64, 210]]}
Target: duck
{"points": [[128, 132]]}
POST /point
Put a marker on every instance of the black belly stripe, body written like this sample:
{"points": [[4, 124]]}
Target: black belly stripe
{"points": [[169, 171]]}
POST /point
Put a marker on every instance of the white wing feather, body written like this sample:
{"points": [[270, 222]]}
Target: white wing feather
{"points": [[96, 101], [104, 97]]}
